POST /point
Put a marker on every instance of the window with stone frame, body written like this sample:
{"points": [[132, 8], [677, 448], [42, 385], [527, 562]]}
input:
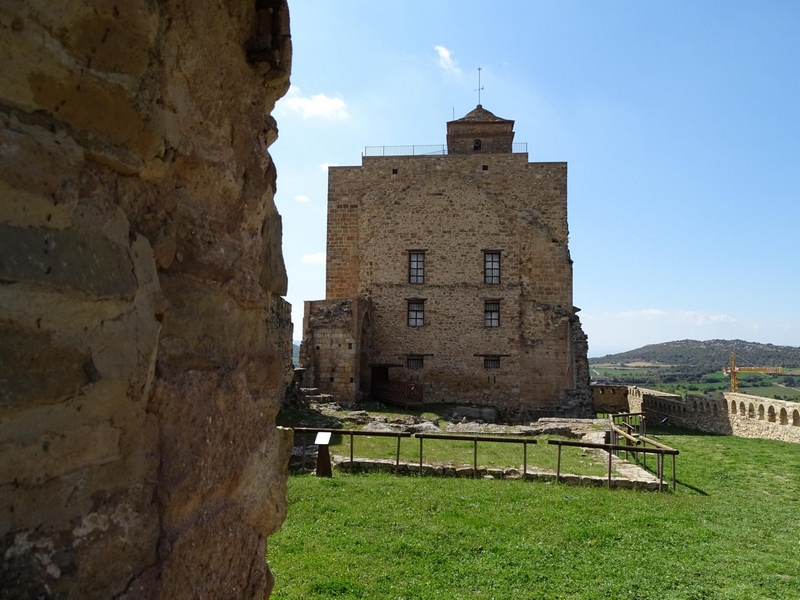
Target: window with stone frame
{"points": [[491, 267], [415, 362], [491, 313], [416, 267], [416, 313], [491, 362]]}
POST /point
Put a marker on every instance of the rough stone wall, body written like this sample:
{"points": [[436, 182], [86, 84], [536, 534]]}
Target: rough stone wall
{"points": [[454, 209], [144, 342], [331, 347], [734, 414]]}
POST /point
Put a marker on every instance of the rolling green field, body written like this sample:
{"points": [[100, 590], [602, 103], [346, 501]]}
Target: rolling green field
{"points": [[730, 531], [710, 383]]}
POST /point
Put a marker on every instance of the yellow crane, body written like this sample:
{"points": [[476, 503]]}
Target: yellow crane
{"points": [[733, 371]]}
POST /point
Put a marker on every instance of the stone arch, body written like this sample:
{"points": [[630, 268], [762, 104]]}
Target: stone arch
{"points": [[796, 418], [760, 412], [714, 410], [784, 417], [771, 414], [742, 409], [694, 404], [751, 411], [733, 406]]}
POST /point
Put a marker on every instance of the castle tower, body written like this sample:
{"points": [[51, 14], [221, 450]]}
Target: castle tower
{"points": [[450, 272]]}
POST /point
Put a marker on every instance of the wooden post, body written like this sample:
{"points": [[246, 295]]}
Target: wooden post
{"points": [[351, 450], [420, 455], [397, 460], [660, 461], [610, 454], [558, 465]]}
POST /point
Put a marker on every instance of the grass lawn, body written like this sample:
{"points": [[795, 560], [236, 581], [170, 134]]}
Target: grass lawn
{"points": [[731, 531]]}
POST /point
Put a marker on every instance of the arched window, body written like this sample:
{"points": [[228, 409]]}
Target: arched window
{"points": [[760, 412], [771, 414], [476, 145], [751, 411], [733, 406], [796, 418], [714, 410], [784, 417], [742, 409]]}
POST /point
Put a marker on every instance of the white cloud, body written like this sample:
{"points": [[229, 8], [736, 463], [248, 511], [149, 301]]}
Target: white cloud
{"points": [[318, 105], [324, 166], [314, 259], [446, 60], [301, 198]]}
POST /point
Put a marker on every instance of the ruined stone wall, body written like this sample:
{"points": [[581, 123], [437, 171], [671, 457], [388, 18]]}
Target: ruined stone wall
{"points": [[331, 347], [453, 208], [734, 414], [144, 342]]}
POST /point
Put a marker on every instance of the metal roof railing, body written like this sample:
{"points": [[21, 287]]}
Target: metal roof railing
{"points": [[426, 150]]}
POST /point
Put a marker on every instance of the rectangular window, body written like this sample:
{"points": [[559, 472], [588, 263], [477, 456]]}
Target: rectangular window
{"points": [[416, 313], [491, 314], [416, 267], [415, 362], [491, 362], [491, 267]]}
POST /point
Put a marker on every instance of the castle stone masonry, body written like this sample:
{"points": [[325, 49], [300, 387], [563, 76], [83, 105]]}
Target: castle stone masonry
{"points": [[451, 271]]}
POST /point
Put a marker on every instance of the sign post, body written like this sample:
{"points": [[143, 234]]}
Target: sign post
{"points": [[323, 454]]}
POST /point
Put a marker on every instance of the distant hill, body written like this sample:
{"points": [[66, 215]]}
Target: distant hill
{"points": [[711, 354]]}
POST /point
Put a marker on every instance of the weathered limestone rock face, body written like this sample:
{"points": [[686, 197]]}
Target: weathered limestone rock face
{"points": [[144, 342]]}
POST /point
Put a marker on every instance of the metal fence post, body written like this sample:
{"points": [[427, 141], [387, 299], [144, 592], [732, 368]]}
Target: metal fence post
{"points": [[475, 458], [420, 453], [397, 460], [351, 450], [524, 459]]}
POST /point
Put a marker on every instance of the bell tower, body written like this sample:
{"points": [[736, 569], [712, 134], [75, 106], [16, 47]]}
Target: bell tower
{"points": [[480, 131]]}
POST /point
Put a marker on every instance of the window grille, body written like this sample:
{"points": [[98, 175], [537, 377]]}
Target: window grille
{"points": [[491, 314], [416, 313], [415, 362], [476, 145], [491, 362], [416, 267], [491, 267]]}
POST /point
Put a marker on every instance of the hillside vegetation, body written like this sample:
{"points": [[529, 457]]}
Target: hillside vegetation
{"points": [[710, 355], [691, 366]]}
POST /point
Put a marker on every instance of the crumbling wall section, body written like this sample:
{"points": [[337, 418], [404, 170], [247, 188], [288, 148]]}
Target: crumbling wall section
{"points": [[331, 347], [144, 340]]}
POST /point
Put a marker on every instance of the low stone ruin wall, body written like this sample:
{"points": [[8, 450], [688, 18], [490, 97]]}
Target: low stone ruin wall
{"points": [[369, 465]]}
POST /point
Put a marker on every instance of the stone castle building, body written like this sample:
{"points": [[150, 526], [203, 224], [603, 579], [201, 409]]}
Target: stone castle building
{"points": [[449, 278]]}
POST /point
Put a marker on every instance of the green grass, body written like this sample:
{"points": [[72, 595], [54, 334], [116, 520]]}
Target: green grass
{"points": [[731, 531]]}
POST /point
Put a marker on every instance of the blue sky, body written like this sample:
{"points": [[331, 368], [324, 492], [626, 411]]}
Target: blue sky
{"points": [[680, 122]]}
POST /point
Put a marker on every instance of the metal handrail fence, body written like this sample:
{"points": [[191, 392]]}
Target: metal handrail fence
{"points": [[636, 435], [660, 450], [610, 448], [427, 150], [475, 439]]}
